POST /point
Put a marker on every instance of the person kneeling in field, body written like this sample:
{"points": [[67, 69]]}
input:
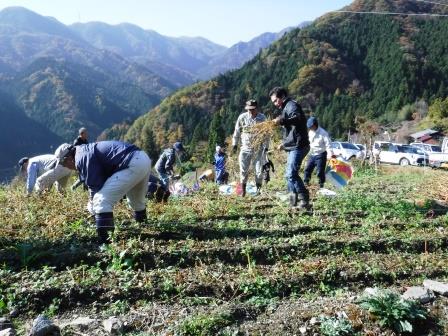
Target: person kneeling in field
{"points": [[111, 170], [165, 164], [43, 171]]}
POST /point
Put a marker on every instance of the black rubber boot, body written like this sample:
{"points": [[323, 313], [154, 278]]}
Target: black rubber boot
{"points": [[104, 226], [304, 201], [140, 216], [292, 199], [243, 187]]}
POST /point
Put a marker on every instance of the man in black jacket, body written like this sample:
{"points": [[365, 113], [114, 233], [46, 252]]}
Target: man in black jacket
{"points": [[82, 138], [295, 143]]}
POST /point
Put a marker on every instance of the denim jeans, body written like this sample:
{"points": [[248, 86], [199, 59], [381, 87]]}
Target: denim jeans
{"points": [[293, 180], [319, 161]]}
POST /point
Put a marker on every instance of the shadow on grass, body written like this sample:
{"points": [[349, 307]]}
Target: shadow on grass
{"points": [[433, 208]]}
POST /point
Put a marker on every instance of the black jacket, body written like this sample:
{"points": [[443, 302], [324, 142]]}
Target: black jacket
{"points": [[79, 141], [295, 132]]}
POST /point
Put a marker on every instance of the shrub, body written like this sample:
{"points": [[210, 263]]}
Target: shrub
{"points": [[393, 311]]}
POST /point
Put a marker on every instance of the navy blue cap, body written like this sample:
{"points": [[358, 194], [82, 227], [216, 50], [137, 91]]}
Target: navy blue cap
{"points": [[178, 146], [311, 122]]}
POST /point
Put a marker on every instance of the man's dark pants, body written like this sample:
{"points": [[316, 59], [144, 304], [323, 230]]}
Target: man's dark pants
{"points": [[319, 161], [294, 182]]}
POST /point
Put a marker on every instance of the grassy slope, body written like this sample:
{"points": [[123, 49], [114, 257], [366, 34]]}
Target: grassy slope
{"points": [[209, 262]]}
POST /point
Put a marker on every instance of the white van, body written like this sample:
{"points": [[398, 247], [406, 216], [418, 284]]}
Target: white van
{"points": [[427, 148], [404, 155], [378, 145]]}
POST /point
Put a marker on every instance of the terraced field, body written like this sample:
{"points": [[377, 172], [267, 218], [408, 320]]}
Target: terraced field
{"points": [[208, 264]]}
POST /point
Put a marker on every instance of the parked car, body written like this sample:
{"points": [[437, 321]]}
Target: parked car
{"points": [[346, 150], [377, 147], [403, 155], [365, 154], [437, 155], [427, 148]]}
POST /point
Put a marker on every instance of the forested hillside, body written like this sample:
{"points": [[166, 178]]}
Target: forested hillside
{"points": [[55, 82], [65, 96], [95, 75], [57, 77], [20, 136], [341, 66]]}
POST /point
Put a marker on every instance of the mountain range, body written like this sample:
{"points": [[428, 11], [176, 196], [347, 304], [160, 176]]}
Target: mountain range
{"points": [[60, 77], [341, 67]]}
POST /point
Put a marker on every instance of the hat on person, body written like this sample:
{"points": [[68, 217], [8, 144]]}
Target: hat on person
{"points": [[22, 161], [82, 130], [62, 151], [311, 122], [218, 149], [178, 146], [251, 104]]}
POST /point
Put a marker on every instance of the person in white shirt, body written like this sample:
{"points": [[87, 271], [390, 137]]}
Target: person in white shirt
{"points": [[320, 150], [42, 172]]}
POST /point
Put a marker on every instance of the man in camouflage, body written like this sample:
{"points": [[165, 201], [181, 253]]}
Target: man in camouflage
{"points": [[249, 154]]}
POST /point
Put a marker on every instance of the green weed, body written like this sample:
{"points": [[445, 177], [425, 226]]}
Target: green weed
{"points": [[336, 326], [204, 324], [118, 307], [392, 311], [119, 260], [28, 254], [53, 308], [260, 291]]}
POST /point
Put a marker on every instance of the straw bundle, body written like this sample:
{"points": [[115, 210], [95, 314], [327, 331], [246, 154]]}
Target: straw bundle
{"points": [[262, 133]]}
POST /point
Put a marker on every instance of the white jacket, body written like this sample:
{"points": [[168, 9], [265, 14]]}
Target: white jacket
{"points": [[319, 142], [242, 131], [37, 166]]}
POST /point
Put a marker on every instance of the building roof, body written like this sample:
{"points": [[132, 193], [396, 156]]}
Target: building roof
{"points": [[424, 133]]}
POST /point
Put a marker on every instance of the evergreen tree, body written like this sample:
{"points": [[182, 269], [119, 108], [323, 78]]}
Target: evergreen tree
{"points": [[216, 135], [148, 144]]}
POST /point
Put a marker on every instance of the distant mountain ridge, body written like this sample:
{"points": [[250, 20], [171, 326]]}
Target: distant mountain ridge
{"points": [[341, 67], [38, 53], [241, 52], [185, 59], [58, 82], [59, 77]]}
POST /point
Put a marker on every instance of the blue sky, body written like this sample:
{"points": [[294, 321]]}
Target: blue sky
{"points": [[222, 21]]}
